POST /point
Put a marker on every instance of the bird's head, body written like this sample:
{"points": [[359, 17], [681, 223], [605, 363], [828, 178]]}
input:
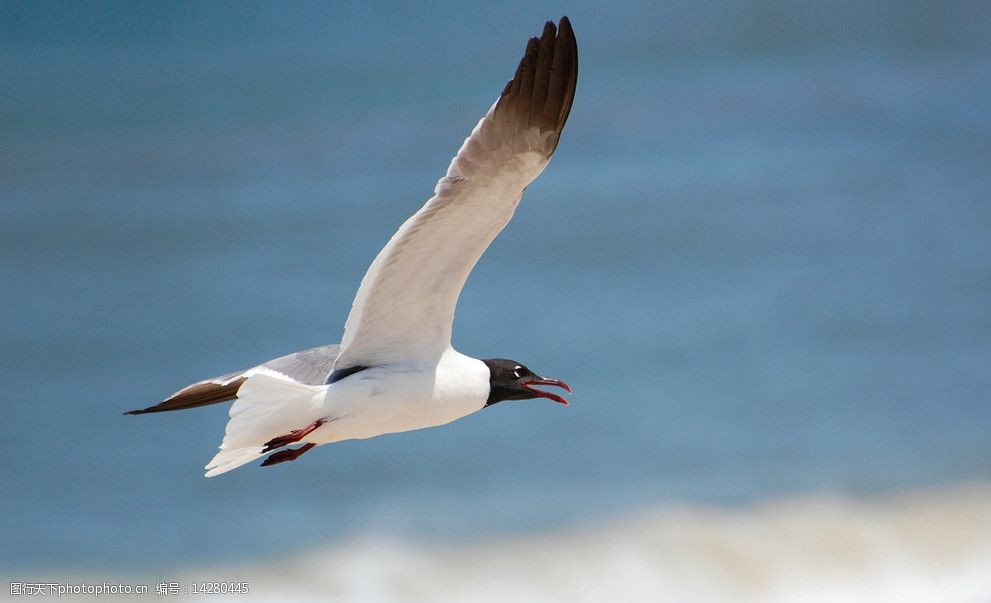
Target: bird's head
{"points": [[510, 380]]}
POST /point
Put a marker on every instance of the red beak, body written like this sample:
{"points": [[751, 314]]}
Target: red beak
{"points": [[548, 395]]}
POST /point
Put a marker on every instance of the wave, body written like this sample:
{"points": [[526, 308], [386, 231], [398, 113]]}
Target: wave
{"points": [[923, 546]]}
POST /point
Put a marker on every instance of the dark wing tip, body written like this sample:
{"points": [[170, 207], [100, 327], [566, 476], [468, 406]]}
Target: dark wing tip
{"points": [[543, 89], [197, 394], [141, 411], [567, 35]]}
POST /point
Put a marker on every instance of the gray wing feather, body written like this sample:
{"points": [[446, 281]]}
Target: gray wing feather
{"points": [[310, 367]]}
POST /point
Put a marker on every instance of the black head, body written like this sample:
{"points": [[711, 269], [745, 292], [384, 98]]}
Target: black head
{"points": [[510, 380]]}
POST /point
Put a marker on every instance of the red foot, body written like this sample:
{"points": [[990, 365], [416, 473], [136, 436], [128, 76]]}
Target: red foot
{"points": [[284, 456], [291, 437]]}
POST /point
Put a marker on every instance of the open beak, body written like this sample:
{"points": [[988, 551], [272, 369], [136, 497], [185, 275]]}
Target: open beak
{"points": [[545, 381]]}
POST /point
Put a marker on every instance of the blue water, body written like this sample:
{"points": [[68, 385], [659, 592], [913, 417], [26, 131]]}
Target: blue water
{"points": [[761, 256]]}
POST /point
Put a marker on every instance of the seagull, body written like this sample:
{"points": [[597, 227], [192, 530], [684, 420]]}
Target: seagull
{"points": [[395, 369]]}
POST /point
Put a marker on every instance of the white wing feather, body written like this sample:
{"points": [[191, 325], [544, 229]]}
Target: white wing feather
{"points": [[405, 305]]}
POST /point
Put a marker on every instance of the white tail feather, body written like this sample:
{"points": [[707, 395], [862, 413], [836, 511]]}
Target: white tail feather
{"points": [[266, 407]]}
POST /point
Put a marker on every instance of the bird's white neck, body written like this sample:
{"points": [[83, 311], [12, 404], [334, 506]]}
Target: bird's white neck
{"points": [[462, 378]]}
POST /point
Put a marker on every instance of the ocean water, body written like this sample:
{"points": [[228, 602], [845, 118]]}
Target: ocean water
{"points": [[923, 547], [761, 256]]}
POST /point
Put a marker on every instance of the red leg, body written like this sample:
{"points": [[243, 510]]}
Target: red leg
{"points": [[283, 456], [292, 437]]}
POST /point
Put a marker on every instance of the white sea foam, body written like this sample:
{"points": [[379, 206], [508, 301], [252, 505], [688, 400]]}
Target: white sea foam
{"points": [[932, 546]]}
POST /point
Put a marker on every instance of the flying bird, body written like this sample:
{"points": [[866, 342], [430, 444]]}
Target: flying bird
{"points": [[395, 369]]}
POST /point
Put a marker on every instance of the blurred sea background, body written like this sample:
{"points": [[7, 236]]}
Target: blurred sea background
{"points": [[761, 256]]}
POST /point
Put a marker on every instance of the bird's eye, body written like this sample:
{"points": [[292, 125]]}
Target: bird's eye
{"points": [[518, 371]]}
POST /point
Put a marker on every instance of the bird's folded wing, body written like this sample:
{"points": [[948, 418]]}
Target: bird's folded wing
{"points": [[405, 305], [309, 367]]}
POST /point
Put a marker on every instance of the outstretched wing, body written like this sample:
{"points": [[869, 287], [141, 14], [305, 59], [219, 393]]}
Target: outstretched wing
{"points": [[405, 305]]}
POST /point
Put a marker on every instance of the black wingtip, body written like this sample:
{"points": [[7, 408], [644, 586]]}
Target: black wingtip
{"points": [[543, 88], [201, 393]]}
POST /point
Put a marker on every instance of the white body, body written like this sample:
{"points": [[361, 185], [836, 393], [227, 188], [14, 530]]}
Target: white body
{"points": [[378, 400], [401, 397]]}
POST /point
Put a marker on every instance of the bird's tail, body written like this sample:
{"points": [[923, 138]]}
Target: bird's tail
{"points": [[266, 407]]}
